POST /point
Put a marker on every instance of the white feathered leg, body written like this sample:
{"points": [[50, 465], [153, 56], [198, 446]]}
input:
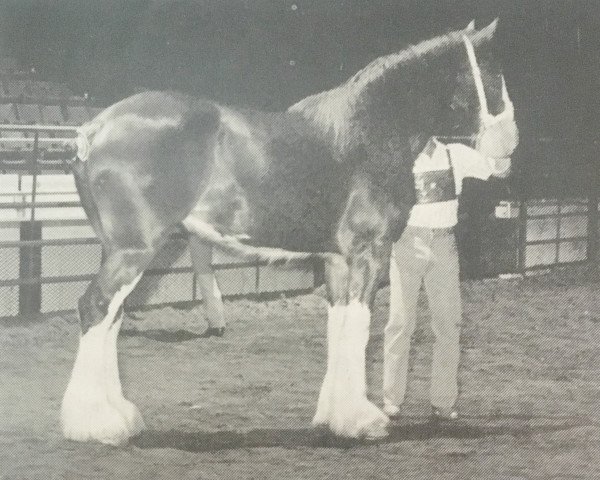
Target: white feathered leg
{"points": [[343, 403], [86, 412], [335, 317], [131, 414]]}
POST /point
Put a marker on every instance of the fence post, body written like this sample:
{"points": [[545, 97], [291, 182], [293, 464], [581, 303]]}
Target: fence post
{"points": [[30, 256], [592, 244], [318, 273], [522, 250], [30, 268]]}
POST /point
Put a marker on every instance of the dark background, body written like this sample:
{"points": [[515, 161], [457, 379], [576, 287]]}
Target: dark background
{"points": [[270, 53]]}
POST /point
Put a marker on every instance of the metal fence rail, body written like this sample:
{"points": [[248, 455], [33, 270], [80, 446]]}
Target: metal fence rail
{"points": [[558, 232], [48, 252], [39, 285]]}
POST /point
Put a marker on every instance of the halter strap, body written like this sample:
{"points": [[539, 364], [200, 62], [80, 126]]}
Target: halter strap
{"points": [[477, 77], [486, 117]]}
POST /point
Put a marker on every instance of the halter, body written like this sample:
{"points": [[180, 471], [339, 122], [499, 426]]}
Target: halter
{"points": [[487, 118]]}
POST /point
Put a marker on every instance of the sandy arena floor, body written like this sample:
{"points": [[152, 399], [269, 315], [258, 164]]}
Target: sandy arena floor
{"points": [[240, 407]]}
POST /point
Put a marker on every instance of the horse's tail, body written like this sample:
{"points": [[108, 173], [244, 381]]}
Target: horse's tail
{"points": [[236, 247]]}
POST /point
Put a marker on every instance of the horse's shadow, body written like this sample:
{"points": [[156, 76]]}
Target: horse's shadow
{"points": [[321, 438], [163, 335]]}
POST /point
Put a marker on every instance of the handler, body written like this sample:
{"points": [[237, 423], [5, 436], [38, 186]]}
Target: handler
{"points": [[201, 254], [426, 253]]}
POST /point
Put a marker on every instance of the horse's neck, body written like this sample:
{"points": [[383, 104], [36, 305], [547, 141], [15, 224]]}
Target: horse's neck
{"points": [[388, 95]]}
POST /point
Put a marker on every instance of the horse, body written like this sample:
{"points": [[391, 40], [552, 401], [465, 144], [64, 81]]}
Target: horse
{"points": [[328, 180]]}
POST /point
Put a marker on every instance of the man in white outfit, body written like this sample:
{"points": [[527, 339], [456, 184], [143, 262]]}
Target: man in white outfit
{"points": [[426, 253], [201, 254]]}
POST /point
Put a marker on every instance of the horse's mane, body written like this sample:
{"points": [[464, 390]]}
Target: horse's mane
{"points": [[333, 110]]}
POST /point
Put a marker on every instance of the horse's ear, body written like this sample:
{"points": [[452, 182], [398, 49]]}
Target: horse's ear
{"points": [[488, 32], [484, 35], [471, 26]]}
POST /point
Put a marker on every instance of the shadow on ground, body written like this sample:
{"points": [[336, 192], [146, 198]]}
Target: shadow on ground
{"points": [[162, 335], [320, 438]]}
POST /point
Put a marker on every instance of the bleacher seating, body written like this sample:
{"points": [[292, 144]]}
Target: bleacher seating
{"points": [[8, 113], [10, 150], [95, 111], [18, 87], [52, 115], [77, 115], [29, 114], [53, 153], [49, 90], [25, 100]]}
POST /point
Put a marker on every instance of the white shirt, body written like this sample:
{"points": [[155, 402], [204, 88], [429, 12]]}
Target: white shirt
{"points": [[466, 162]]}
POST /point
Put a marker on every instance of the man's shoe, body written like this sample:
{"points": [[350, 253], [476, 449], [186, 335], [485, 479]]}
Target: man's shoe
{"points": [[444, 414], [392, 411], [213, 332]]}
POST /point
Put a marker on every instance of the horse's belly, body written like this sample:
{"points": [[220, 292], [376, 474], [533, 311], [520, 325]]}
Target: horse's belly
{"points": [[272, 222], [298, 228]]}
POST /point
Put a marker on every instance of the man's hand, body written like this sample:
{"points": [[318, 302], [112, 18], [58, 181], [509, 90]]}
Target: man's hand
{"points": [[500, 167]]}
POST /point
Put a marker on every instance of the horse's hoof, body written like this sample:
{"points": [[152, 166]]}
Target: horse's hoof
{"points": [[375, 432], [132, 416], [363, 421], [98, 421]]}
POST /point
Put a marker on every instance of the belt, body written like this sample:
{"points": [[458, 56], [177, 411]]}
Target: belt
{"points": [[432, 230]]}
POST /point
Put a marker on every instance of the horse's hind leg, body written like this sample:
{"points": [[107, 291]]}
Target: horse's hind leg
{"points": [[93, 407]]}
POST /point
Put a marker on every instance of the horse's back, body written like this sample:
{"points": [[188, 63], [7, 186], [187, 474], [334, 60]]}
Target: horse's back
{"points": [[150, 104]]}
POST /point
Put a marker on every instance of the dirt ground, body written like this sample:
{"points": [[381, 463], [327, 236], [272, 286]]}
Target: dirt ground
{"points": [[240, 407]]}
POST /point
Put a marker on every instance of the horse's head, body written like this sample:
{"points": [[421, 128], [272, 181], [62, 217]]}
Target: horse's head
{"points": [[480, 106]]}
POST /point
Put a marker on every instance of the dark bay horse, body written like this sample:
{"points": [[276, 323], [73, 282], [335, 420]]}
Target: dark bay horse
{"points": [[330, 179]]}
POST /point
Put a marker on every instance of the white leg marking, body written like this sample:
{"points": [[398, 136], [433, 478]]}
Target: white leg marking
{"points": [[86, 412], [343, 403], [335, 317], [128, 410]]}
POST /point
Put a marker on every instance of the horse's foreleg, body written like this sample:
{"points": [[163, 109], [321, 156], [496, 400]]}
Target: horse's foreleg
{"points": [[93, 406], [343, 405], [337, 274], [129, 412]]}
